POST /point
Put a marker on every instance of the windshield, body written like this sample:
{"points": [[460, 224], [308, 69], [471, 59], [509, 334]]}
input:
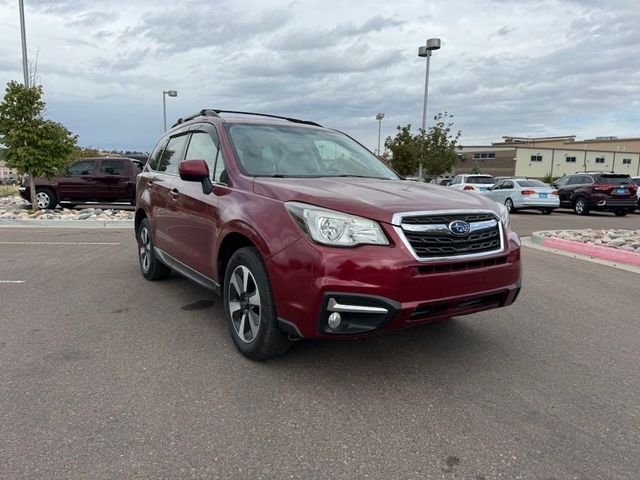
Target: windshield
{"points": [[621, 179], [531, 183], [476, 180], [289, 151]]}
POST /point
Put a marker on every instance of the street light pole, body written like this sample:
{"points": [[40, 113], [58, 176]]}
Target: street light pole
{"points": [[379, 117], [171, 93], [23, 35], [425, 51]]}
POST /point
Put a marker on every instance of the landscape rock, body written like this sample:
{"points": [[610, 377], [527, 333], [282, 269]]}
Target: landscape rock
{"points": [[628, 240]]}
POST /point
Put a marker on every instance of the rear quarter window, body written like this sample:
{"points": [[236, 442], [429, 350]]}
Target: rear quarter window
{"points": [[617, 179]]}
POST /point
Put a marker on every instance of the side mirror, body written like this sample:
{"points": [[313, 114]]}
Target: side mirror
{"points": [[196, 171]]}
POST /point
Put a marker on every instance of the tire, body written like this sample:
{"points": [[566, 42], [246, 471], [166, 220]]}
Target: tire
{"points": [[547, 211], [150, 266], [46, 199], [509, 204], [621, 213], [249, 309], [580, 206]]}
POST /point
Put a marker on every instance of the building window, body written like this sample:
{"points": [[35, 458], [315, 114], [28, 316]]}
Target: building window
{"points": [[626, 161], [570, 159], [599, 159], [484, 155], [536, 158]]}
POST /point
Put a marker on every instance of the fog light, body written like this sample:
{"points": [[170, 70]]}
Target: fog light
{"points": [[334, 320]]}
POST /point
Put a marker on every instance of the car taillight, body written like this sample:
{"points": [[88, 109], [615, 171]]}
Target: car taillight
{"points": [[555, 192], [527, 192], [601, 187], [468, 187]]}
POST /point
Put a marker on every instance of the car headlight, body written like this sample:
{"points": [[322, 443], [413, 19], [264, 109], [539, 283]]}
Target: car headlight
{"points": [[504, 215], [336, 228]]}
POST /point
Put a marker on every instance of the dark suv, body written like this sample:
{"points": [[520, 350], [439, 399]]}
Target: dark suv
{"points": [[606, 192], [102, 179], [305, 233]]}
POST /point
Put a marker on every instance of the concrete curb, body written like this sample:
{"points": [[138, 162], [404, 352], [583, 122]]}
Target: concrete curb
{"points": [[528, 243], [19, 223], [587, 249]]}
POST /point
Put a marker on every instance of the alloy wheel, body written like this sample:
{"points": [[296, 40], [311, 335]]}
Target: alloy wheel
{"points": [[144, 246], [243, 298], [42, 200], [580, 206]]}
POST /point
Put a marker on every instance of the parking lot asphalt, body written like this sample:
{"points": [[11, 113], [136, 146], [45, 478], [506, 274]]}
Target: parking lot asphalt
{"points": [[104, 375]]}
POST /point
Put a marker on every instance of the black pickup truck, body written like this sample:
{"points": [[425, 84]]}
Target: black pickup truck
{"points": [[103, 179]]}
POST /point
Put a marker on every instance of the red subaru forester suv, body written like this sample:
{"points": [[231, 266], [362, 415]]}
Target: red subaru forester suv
{"points": [[306, 234]]}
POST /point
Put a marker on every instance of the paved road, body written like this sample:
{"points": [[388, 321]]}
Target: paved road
{"points": [[104, 375]]}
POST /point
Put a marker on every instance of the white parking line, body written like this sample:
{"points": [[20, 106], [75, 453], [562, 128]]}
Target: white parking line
{"points": [[12, 281], [59, 243]]}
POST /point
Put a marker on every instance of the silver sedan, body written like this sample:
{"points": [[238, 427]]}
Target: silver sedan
{"points": [[520, 193]]}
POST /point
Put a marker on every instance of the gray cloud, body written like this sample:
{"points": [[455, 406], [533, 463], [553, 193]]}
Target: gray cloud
{"points": [[530, 67]]}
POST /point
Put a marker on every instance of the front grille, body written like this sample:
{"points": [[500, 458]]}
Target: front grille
{"points": [[428, 310], [435, 219], [461, 266], [437, 243]]}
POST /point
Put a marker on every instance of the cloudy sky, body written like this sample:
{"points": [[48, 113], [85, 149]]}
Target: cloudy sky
{"points": [[513, 67]]}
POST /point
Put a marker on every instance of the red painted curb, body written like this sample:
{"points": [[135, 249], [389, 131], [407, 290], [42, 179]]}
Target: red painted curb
{"points": [[606, 253]]}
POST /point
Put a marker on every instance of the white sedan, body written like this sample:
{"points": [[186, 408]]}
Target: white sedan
{"points": [[520, 193], [472, 182]]}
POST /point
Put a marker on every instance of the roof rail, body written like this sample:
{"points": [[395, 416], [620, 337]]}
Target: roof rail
{"points": [[210, 112], [205, 112]]}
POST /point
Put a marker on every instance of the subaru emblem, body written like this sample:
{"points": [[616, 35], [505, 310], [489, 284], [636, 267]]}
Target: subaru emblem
{"points": [[459, 228]]}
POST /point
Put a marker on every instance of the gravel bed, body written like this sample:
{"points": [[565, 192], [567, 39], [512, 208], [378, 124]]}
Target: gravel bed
{"points": [[15, 208], [628, 240]]}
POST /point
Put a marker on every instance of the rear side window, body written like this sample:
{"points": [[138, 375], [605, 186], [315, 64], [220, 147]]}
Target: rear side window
{"points": [[580, 180], [476, 180], [617, 179], [112, 167], [171, 155], [84, 167]]}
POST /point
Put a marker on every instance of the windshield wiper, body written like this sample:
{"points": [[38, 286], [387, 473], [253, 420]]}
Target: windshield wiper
{"points": [[361, 176]]}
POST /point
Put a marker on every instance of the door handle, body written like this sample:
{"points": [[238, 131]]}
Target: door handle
{"points": [[174, 193]]}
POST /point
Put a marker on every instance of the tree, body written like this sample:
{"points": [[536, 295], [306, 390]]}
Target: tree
{"points": [[435, 150], [404, 149], [440, 146], [35, 146]]}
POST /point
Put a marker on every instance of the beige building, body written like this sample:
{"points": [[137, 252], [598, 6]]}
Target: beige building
{"points": [[554, 156], [6, 172]]}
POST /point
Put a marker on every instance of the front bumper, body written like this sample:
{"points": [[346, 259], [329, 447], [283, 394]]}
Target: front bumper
{"points": [[306, 278]]}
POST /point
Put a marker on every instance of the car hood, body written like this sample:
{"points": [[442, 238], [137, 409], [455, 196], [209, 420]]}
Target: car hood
{"points": [[373, 198]]}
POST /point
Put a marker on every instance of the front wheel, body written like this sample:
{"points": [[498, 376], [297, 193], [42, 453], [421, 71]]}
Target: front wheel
{"points": [[547, 211], [621, 213], [249, 308]]}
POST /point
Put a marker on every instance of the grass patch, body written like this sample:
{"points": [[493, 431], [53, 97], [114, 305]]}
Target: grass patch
{"points": [[8, 190]]}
